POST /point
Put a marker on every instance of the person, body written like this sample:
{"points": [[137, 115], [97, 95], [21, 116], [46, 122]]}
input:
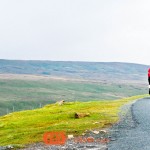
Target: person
{"points": [[149, 79]]}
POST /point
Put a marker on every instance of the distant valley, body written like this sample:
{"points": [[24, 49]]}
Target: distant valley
{"points": [[32, 84]]}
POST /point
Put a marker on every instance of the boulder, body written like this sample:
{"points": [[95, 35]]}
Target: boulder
{"points": [[61, 102], [81, 115]]}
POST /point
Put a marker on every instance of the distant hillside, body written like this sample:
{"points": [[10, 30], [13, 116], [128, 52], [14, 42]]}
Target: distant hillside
{"points": [[32, 84], [111, 71]]}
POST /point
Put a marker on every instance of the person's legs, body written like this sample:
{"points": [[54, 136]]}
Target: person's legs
{"points": [[149, 84]]}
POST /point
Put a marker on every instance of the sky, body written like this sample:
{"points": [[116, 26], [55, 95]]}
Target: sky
{"points": [[75, 30]]}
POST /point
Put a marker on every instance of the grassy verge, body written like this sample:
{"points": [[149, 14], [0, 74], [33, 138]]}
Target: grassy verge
{"points": [[28, 126]]}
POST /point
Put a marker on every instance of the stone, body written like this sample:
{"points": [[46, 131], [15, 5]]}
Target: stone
{"points": [[96, 123], [61, 102], [95, 132], [104, 131], [90, 146], [81, 115], [70, 136], [104, 148], [113, 139]]}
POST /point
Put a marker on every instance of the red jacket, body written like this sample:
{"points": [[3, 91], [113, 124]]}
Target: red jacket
{"points": [[149, 72]]}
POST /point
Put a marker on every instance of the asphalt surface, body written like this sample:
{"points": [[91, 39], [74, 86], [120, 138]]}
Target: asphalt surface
{"points": [[133, 131]]}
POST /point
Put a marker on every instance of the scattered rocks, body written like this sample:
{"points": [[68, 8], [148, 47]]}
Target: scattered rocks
{"points": [[95, 140], [91, 139], [9, 147]]}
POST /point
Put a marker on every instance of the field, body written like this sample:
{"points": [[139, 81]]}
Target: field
{"points": [[30, 125], [20, 92]]}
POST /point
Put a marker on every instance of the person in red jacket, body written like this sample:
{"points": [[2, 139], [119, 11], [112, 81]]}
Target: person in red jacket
{"points": [[149, 79]]}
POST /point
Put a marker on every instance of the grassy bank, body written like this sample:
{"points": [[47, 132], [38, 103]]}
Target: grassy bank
{"points": [[28, 126]]}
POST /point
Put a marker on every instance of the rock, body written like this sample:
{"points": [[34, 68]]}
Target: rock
{"points": [[104, 131], [9, 147], [83, 134], [104, 148], [90, 146], [81, 146], [61, 102], [113, 139], [70, 136], [95, 132], [63, 148], [81, 115], [96, 123]]}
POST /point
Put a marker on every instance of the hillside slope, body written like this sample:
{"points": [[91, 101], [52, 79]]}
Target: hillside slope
{"points": [[112, 71], [32, 84]]}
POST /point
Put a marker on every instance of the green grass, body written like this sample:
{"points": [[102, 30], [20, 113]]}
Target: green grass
{"points": [[22, 94], [27, 127]]}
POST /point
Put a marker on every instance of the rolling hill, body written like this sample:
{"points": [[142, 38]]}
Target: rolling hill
{"points": [[33, 84], [86, 70]]}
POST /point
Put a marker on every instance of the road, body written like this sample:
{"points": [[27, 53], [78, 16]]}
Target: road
{"points": [[133, 132]]}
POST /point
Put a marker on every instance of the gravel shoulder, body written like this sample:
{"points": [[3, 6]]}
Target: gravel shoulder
{"points": [[133, 130]]}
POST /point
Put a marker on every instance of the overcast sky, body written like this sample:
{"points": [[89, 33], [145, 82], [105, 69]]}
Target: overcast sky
{"points": [[77, 30]]}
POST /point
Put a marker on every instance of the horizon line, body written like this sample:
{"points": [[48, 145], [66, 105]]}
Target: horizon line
{"points": [[82, 61]]}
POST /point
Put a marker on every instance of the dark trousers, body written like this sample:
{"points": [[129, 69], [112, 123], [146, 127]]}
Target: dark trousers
{"points": [[149, 83]]}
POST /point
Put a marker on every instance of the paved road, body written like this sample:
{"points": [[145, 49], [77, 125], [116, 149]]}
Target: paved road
{"points": [[133, 133]]}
